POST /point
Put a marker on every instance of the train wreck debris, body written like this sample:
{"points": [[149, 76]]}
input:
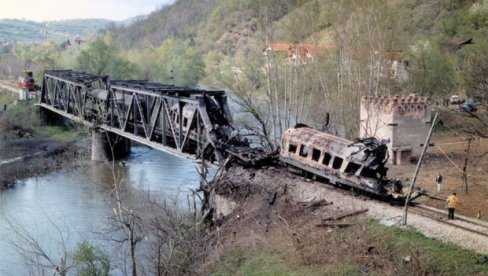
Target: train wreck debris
{"points": [[358, 165]]}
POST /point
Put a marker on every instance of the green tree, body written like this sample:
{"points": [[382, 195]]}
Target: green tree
{"points": [[174, 61], [102, 58], [474, 69], [178, 63], [91, 260], [433, 72]]}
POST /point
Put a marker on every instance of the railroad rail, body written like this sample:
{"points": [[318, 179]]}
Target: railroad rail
{"points": [[461, 222], [8, 85]]}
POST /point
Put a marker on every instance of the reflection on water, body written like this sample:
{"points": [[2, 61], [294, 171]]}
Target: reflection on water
{"points": [[76, 200]]}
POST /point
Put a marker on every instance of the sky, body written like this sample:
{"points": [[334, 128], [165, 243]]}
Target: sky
{"points": [[46, 10]]}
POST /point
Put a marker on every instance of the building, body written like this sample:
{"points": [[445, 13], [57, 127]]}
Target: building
{"points": [[405, 121], [298, 54]]}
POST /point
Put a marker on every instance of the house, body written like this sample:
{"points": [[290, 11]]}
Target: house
{"points": [[297, 54]]}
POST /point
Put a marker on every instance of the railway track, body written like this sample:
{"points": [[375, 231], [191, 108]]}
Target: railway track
{"points": [[11, 86], [461, 222]]}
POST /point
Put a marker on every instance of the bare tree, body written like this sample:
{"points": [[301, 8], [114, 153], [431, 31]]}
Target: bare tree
{"points": [[35, 255]]}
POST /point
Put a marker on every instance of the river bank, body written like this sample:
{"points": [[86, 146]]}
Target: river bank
{"points": [[25, 158], [31, 148]]}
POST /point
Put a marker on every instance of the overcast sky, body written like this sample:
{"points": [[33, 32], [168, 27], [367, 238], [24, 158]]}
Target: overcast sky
{"points": [[42, 10]]}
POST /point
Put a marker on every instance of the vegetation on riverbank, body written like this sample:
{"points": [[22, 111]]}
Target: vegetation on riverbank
{"points": [[35, 148], [24, 120]]}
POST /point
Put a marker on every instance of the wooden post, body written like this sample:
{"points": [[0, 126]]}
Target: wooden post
{"points": [[417, 169], [465, 175]]}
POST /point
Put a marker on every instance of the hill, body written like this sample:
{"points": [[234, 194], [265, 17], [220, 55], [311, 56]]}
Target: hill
{"points": [[25, 31], [176, 20], [211, 24]]}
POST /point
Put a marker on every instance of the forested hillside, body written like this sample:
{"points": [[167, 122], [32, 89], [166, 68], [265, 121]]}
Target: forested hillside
{"points": [[301, 58], [24, 31]]}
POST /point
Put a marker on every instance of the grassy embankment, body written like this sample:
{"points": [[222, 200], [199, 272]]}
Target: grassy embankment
{"points": [[427, 256], [23, 120]]}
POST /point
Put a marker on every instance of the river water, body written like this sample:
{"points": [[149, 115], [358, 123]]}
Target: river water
{"points": [[73, 204]]}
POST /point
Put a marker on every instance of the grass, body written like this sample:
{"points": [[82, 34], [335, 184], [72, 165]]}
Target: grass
{"points": [[26, 116], [440, 257], [60, 133], [6, 98], [429, 256], [262, 262]]}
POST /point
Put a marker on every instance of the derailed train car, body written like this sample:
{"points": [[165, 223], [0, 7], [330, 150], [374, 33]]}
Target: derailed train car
{"points": [[359, 165]]}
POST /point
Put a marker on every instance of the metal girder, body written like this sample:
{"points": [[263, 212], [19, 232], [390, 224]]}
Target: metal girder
{"points": [[157, 117]]}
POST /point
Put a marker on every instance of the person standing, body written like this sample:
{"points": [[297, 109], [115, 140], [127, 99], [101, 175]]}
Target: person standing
{"points": [[452, 202], [438, 181]]}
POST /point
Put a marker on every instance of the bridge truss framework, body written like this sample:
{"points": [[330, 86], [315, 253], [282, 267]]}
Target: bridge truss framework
{"points": [[183, 121]]}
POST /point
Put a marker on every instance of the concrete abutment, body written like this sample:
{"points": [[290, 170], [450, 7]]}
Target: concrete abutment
{"points": [[107, 146]]}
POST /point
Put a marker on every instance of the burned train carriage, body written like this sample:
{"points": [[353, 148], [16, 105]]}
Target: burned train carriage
{"points": [[339, 161]]}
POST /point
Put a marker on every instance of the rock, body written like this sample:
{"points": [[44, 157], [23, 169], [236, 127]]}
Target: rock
{"points": [[407, 259]]}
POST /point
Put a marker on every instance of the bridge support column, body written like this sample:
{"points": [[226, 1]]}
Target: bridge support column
{"points": [[107, 146]]}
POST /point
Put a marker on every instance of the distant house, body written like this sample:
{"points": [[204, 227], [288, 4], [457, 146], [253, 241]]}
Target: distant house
{"points": [[297, 54]]}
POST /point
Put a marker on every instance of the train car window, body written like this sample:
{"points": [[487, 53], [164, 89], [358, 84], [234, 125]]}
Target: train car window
{"points": [[292, 148], [326, 159], [367, 172], [303, 150], [337, 163], [352, 168], [315, 154]]}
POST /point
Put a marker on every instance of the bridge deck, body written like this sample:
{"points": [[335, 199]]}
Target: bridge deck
{"points": [[130, 136]]}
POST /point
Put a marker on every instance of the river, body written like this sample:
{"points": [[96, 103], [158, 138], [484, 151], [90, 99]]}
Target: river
{"points": [[72, 204]]}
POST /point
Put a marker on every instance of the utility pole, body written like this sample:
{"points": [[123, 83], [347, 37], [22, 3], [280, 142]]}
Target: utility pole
{"points": [[465, 175], [417, 169]]}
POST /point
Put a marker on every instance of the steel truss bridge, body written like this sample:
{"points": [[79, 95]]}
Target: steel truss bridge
{"points": [[186, 122]]}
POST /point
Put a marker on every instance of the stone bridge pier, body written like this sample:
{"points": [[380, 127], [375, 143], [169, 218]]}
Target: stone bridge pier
{"points": [[108, 146]]}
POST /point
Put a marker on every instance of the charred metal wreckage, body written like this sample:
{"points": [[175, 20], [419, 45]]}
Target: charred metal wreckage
{"points": [[359, 165], [197, 124]]}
